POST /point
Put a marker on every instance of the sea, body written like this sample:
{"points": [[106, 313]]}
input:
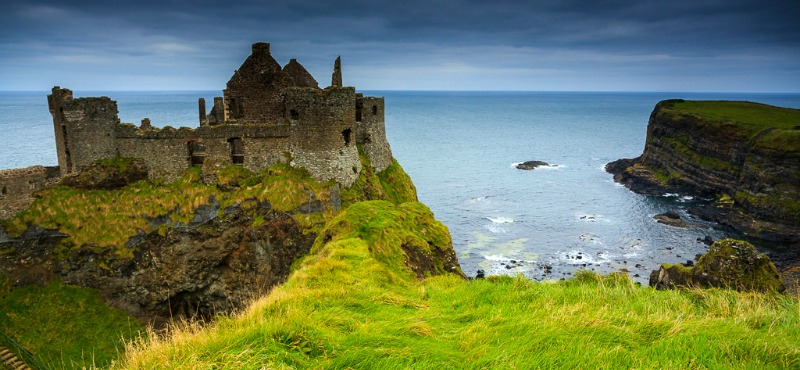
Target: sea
{"points": [[461, 149]]}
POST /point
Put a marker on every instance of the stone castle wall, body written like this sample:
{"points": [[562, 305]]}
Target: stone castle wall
{"points": [[371, 132], [18, 185], [267, 112], [323, 135], [84, 129], [167, 152]]}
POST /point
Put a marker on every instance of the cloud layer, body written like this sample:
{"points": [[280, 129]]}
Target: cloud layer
{"points": [[697, 45]]}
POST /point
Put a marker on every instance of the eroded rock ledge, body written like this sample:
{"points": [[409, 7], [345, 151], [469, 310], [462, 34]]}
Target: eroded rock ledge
{"points": [[744, 155]]}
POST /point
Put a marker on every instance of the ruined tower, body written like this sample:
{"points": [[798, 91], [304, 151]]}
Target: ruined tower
{"points": [[336, 78]]}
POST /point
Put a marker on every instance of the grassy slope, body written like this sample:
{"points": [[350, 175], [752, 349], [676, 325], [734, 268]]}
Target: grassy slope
{"points": [[55, 322], [349, 306], [66, 327]]}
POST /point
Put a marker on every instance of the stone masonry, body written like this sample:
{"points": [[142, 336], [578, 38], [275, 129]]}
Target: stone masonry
{"points": [[266, 114]]}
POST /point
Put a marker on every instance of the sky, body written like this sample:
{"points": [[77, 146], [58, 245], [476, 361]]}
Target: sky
{"points": [[570, 45]]}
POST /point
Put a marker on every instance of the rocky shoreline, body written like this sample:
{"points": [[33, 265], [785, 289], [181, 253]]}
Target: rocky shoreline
{"points": [[717, 151]]}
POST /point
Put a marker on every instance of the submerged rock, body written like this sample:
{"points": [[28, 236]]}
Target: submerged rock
{"points": [[671, 218], [729, 263], [530, 165]]}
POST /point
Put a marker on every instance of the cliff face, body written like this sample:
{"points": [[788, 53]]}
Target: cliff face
{"points": [[193, 270], [189, 248], [747, 155]]}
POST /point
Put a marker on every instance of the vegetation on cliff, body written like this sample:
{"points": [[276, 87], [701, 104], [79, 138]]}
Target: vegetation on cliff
{"points": [[355, 303], [747, 117], [745, 154], [66, 327], [101, 219], [729, 263], [102, 234]]}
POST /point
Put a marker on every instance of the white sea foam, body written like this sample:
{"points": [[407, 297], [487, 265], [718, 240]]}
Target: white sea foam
{"points": [[496, 228], [501, 220], [476, 199], [551, 167], [589, 218], [576, 257], [499, 258]]}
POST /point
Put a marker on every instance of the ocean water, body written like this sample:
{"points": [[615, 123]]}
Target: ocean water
{"points": [[460, 148]]}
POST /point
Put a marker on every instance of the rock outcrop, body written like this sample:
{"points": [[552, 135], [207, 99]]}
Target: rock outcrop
{"points": [[530, 165], [108, 174], [729, 263], [237, 238], [196, 270], [747, 155]]}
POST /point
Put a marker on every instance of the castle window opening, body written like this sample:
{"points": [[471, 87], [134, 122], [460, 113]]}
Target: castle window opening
{"points": [[294, 114], [197, 153], [237, 150], [68, 158], [374, 110], [5, 191], [346, 135], [235, 108], [359, 108]]}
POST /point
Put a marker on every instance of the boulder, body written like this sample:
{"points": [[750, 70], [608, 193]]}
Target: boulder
{"points": [[671, 218], [729, 263], [529, 165]]}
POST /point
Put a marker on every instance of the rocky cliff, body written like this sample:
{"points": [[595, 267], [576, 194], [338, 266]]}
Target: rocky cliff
{"points": [[745, 155], [192, 248]]}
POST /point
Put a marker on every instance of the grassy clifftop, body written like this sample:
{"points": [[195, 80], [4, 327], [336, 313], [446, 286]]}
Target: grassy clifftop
{"points": [[355, 303], [748, 116]]}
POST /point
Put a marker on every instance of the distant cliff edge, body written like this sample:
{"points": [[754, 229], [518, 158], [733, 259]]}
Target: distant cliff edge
{"points": [[744, 155]]}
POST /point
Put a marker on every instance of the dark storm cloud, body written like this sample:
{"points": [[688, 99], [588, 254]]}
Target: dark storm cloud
{"points": [[407, 44]]}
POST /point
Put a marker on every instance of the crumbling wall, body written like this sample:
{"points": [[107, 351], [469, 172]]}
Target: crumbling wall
{"points": [[18, 185], [371, 132], [84, 129], [323, 132], [253, 94], [167, 151]]}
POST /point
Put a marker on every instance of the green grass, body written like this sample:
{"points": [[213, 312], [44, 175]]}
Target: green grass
{"points": [[392, 184], [49, 320], [65, 326], [105, 219], [351, 304], [752, 117]]}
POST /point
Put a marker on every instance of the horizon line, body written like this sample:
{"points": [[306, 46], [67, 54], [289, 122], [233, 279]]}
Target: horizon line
{"points": [[448, 91]]}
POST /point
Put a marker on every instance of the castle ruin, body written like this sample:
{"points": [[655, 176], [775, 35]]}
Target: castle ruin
{"points": [[266, 114]]}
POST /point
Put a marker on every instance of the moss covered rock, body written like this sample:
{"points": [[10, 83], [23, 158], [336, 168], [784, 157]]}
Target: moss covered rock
{"points": [[108, 174], [729, 263], [405, 238]]}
